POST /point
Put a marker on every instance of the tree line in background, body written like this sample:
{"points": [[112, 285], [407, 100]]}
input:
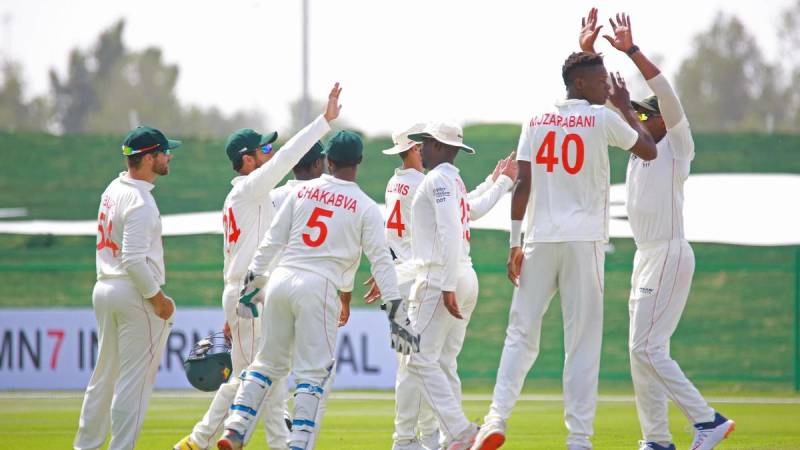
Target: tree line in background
{"points": [[108, 88], [726, 84]]}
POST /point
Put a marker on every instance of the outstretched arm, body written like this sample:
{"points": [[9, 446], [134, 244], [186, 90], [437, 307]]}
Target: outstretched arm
{"points": [[266, 177], [668, 102]]}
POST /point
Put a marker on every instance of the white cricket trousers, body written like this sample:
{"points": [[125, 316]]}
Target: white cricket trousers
{"points": [[660, 283], [576, 270], [245, 341], [131, 341], [414, 418], [430, 377]]}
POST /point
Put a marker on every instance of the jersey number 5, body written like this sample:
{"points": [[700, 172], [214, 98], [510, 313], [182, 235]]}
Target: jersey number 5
{"points": [[315, 222], [546, 154], [395, 221]]}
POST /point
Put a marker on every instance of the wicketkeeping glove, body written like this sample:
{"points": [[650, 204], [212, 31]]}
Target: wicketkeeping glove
{"points": [[404, 339], [251, 295]]}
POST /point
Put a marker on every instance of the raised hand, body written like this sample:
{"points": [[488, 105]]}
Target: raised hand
{"points": [[589, 31], [620, 97], [497, 169], [333, 107], [622, 39], [510, 170]]}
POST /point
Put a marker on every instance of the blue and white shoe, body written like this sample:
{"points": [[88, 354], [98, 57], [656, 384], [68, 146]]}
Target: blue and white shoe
{"points": [[708, 434], [644, 445]]}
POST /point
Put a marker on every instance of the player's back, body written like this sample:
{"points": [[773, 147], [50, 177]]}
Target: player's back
{"points": [[128, 202], [325, 236], [399, 194], [567, 147]]}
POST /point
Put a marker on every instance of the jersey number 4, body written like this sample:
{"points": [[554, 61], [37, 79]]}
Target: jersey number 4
{"points": [[547, 152], [395, 221], [315, 222]]}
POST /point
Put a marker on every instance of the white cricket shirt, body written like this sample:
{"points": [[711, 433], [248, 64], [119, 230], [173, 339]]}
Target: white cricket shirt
{"points": [[323, 228], [248, 209], [129, 235], [399, 193], [655, 188], [567, 147], [279, 194]]}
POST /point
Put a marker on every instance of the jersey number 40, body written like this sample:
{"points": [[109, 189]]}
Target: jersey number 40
{"points": [[547, 152]]}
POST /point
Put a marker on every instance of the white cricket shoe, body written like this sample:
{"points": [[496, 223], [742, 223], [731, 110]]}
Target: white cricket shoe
{"points": [[407, 444], [709, 434], [491, 436], [464, 440]]}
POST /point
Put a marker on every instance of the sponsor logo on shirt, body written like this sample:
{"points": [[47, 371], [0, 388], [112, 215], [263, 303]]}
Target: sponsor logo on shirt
{"points": [[441, 194], [564, 121], [646, 291]]}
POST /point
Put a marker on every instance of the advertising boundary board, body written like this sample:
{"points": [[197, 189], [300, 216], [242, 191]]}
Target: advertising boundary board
{"points": [[51, 349]]}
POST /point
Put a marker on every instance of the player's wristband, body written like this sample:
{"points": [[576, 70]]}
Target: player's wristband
{"points": [[516, 233], [632, 50]]}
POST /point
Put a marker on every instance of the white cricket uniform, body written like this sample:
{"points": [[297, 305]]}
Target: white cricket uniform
{"points": [[662, 272], [399, 193], [321, 230], [413, 415], [246, 215], [567, 225], [440, 212], [130, 269]]}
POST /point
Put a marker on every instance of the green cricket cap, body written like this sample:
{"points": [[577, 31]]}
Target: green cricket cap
{"points": [[246, 139], [317, 151], [145, 139], [345, 146], [649, 104]]}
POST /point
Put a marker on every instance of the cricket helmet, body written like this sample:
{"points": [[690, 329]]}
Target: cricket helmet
{"points": [[209, 362]]}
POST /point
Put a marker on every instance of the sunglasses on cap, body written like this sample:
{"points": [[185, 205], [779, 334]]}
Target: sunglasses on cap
{"points": [[644, 117], [265, 149], [129, 151]]}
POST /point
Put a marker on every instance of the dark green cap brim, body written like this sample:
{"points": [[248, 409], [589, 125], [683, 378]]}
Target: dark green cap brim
{"points": [[268, 138], [171, 143]]}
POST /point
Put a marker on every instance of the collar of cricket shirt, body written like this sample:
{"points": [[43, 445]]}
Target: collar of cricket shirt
{"points": [[401, 171], [124, 177]]}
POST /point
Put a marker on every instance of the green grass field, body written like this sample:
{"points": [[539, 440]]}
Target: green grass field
{"points": [[50, 423]]}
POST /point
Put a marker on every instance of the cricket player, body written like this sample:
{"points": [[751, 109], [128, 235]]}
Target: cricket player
{"points": [[321, 230], [416, 426], [440, 211], [134, 316], [664, 261], [246, 215], [564, 186]]}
